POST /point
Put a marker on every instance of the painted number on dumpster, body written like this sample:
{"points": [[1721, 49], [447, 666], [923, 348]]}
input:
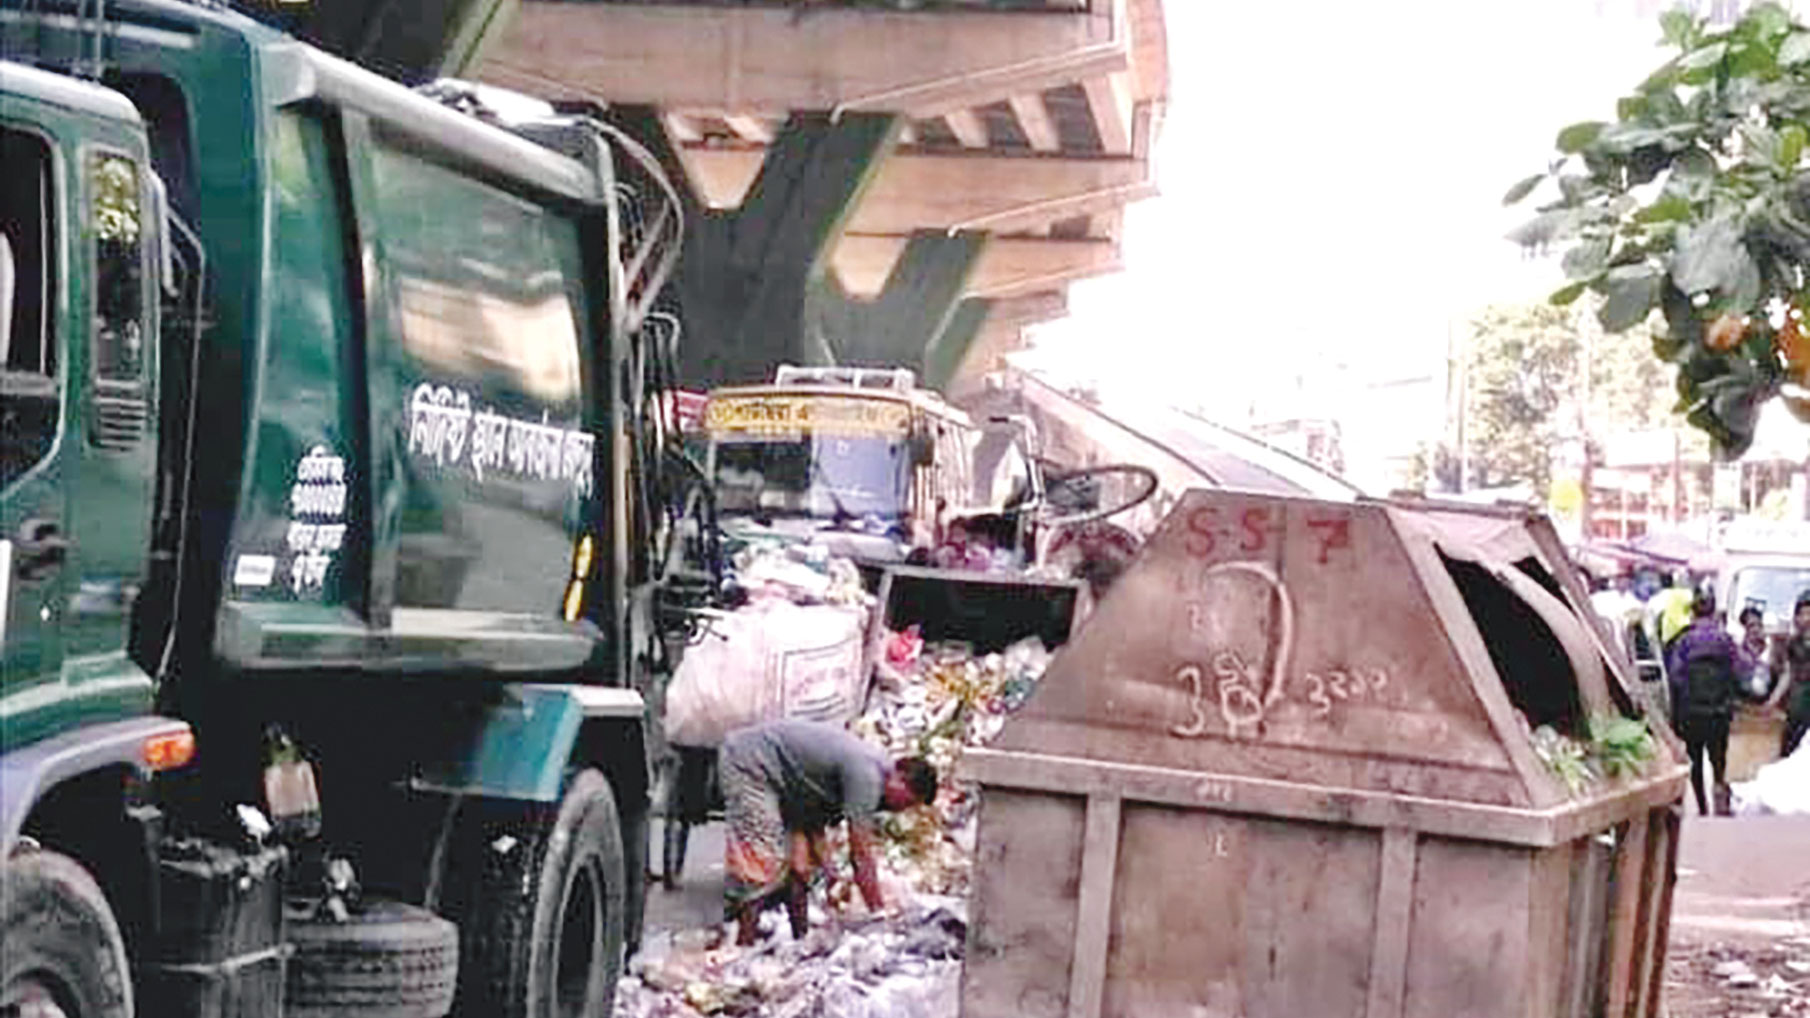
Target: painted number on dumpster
{"points": [[1334, 532], [1211, 532], [1235, 692]]}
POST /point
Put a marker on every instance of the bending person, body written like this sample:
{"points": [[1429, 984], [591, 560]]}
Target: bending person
{"points": [[784, 783]]}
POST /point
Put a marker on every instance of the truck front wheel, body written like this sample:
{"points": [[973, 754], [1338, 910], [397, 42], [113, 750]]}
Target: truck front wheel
{"points": [[538, 893], [63, 956]]}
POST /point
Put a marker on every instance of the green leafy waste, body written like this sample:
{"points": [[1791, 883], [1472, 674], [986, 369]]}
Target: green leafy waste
{"points": [[1615, 747]]}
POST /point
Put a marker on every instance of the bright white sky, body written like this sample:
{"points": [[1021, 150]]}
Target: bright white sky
{"points": [[1332, 175]]}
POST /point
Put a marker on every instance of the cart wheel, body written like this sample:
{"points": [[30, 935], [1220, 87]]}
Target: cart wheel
{"points": [[678, 839]]}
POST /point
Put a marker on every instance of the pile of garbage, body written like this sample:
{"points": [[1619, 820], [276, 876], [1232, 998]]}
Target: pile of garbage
{"points": [[906, 965], [935, 701], [802, 572]]}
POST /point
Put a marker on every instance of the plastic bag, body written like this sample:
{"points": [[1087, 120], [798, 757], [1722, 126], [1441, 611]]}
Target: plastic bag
{"points": [[772, 659], [1780, 788], [719, 685]]}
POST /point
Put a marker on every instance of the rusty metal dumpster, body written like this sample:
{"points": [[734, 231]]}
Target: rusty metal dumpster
{"points": [[1314, 759]]}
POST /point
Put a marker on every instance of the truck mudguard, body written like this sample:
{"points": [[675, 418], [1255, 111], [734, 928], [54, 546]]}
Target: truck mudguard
{"points": [[521, 746], [26, 774]]}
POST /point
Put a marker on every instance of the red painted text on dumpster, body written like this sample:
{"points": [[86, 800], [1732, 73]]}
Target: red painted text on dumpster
{"points": [[1212, 532]]}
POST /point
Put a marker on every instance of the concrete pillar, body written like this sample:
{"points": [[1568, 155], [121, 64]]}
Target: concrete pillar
{"points": [[414, 41], [745, 273], [944, 357], [901, 326]]}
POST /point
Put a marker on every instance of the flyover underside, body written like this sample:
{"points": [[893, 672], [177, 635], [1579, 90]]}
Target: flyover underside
{"points": [[871, 182]]}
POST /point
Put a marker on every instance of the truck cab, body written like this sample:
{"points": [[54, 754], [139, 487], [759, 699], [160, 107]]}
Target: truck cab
{"points": [[80, 238]]}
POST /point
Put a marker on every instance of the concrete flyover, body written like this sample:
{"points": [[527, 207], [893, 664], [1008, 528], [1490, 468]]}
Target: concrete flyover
{"points": [[886, 182], [875, 181]]}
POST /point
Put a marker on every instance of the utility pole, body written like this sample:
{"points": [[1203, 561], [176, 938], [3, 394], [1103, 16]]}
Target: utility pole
{"points": [[1677, 477], [1587, 472], [1461, 367]]}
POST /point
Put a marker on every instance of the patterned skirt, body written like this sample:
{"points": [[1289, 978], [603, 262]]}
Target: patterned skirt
{"points": [[754, 857]]}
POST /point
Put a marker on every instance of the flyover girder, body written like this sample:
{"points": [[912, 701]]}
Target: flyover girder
{"points": [[774, 59]]}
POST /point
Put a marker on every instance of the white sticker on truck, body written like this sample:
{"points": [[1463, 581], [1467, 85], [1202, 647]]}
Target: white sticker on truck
{"points": [[254, 570]]}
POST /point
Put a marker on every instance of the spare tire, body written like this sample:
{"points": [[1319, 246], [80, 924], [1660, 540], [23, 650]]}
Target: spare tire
{"points": [[388, 960]]}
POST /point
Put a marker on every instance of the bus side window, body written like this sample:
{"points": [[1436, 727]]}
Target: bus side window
{"points": [[29, 401]]}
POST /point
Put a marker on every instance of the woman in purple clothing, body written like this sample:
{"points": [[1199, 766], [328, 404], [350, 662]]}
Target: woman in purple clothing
{"points": [[1704, 665]]}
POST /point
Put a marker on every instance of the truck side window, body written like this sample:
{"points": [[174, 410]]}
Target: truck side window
{"points": [[28, 343], [119, 300]]}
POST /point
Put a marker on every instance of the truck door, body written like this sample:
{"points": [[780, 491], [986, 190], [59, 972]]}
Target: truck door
{"points": [[32, 407], [107, 477]]}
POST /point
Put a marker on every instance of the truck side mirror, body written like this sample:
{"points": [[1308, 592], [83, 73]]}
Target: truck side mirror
{"points": [[922, 446]]}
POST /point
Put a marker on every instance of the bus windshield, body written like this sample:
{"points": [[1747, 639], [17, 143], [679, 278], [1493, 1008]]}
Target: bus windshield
{"points": [[830, 477]]}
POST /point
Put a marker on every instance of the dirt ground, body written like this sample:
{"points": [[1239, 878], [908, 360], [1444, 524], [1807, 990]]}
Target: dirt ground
{"points": [[1734, 980], [1741, 920], [1740, 943]]}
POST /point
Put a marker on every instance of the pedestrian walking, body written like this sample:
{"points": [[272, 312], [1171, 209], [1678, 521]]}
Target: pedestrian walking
{"points": [[784, 783], [1704, 665], [1757, 682], [1791, 664]]}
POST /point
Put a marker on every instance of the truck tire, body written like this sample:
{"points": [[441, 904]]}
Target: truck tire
{"points": [[388, 960], [64, 956], [538, 892]]}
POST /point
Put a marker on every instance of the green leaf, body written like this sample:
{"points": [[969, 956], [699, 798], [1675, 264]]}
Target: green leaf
{"points": [[1795, 49], [1704, 58], [1665, 77], [1625, 138], [1791, 145], [1631, 293], [1574, 187], [1587, 259], [1709, 256], [1545, 228], [1683, 327], [1522, 189], [1669, 208], [1759, 144], [1577, 137], [1765, 22], [1566, 295], [1679, 28], [1755, 61]]}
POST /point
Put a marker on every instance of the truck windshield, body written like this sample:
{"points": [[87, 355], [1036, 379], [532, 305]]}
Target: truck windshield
{"points": [[829, 477], [1774, 589]]}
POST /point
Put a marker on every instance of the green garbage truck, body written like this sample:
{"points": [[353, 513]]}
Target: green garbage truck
{"points": [[336, 530]]}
